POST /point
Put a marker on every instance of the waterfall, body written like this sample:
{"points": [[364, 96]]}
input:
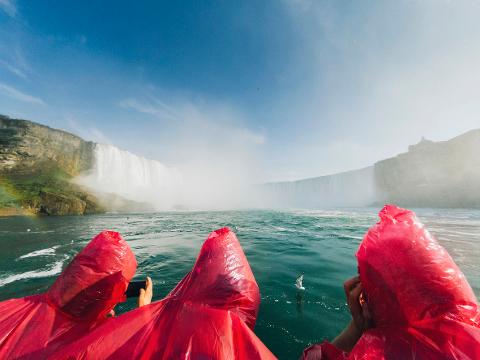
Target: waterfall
{"points": [[207, 186], [347, 189], [133, 177]]}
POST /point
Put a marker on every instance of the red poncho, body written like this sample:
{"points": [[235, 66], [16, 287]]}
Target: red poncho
{"points": [[422, 305], [93, 283], [210, 314]]}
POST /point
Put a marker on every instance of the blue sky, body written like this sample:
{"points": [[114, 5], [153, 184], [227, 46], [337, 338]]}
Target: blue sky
{"points": [[280, 89]]}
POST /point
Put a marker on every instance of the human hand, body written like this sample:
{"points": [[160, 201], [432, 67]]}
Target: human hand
{"points": [[361, 318], [146, 294]]}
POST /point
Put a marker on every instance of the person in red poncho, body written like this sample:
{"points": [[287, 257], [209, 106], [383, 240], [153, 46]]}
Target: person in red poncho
{"points": [[410, 301], [210, 314], [84, 294]]}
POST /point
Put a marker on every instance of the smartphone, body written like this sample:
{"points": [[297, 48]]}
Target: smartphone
{"points": [[133, 289]]}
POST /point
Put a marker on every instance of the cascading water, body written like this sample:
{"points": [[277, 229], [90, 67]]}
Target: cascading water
{"points": [[133, 177], [205, 186], [348, 189]]}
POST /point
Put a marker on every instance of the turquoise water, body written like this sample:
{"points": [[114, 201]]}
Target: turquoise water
{"points": [[279, 245]]}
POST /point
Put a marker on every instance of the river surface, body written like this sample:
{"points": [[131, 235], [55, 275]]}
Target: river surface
{"points": [[279, 245]]}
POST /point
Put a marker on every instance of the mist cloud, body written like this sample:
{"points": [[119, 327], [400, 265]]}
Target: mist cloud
{"points": [[214, 163], [378, 77]]}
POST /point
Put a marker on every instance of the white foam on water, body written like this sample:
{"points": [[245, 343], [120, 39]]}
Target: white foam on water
{"points": [[55, 269], [42, 252]]}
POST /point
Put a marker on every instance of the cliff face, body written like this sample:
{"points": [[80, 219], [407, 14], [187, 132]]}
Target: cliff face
{"points": [[433, 174], [37, 164], [24, 144]]}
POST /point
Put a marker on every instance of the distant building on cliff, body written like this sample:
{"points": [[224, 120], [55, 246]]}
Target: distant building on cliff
{"points": [[423, 143]]}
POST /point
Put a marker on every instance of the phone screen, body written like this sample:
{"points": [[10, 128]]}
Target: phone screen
{"points": [[133, 289]]}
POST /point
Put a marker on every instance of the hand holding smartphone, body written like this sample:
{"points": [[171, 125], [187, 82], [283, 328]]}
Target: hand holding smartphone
{"points": [[133, 289]]}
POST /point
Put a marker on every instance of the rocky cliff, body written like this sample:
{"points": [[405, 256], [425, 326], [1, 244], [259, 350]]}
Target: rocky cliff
{"points": [[37, 164], [433, 174], [24, 144]]}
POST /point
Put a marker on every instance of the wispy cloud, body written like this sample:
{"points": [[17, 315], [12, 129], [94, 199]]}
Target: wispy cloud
{"points": [[206, 116], [151, 106], [376, 78], [12, 59], [217, 154], [13, 93], [13, 69], [9, 7]]}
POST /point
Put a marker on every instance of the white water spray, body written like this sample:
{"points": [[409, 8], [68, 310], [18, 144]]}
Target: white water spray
{"points": [[133, 177]]}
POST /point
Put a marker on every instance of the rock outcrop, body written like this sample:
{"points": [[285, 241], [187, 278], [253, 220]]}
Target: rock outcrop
{"points": [[37, 164], [443, 174], [25, 145], [433, 174]]}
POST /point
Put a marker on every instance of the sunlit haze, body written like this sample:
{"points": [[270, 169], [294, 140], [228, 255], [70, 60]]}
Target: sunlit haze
{"points": [[257, 91]]}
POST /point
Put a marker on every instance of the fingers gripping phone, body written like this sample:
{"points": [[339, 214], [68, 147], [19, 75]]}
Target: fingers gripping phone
{"points": [[133, 289]]}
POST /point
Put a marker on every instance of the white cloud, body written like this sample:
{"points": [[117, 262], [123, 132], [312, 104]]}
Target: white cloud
{"points": [[9, 7], [15, 94], [204, 116], [210, 144], [13, 69], [380, 75], [153, 107], [12, 59]]}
